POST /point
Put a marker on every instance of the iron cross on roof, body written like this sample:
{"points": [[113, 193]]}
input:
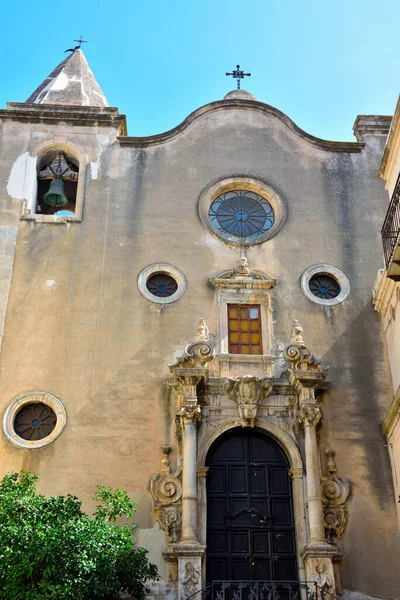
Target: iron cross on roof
{"points": [[81, 41], [238, 75]]}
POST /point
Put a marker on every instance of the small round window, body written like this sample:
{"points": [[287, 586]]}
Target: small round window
{"points": [[161, 283], [325, 284], [242, 213], [35, 421]]}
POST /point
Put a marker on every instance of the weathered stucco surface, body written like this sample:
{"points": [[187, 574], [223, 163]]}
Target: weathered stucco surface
{"points": [[95, 342]]}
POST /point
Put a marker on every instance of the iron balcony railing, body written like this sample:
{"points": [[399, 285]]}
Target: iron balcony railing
{"points": [[391, 226], [263, 590]]}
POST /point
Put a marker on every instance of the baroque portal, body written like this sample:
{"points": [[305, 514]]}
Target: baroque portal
{"points": [[284, 412]]}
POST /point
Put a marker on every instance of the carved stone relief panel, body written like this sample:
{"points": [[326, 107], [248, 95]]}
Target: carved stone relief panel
{"points": [[166, 489], [336, 491], [190, 578], [248, 392]]}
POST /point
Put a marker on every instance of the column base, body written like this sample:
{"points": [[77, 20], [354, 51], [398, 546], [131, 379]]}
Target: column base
{"points": [[190, 558], [318, 563]]}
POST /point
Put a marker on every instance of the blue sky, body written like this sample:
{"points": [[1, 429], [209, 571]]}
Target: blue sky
{"points": [[322, 63]]}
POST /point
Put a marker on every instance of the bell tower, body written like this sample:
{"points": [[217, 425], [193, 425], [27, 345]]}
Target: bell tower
{"points": [[71, 83]]}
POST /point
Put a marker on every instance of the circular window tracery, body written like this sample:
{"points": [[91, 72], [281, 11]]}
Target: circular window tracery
{"points": [[242, 210], [34, 420], [325, 284], [242, 213], [161, 283]]}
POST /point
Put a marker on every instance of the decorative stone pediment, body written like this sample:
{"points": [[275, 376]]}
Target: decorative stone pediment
{"points": [[248, 393], [243, 277]]}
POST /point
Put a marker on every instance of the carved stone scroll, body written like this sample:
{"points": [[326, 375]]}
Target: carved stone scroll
{"points": [[335, 491], [166, 490], [297, 354], [248, 393], [196, 356]]}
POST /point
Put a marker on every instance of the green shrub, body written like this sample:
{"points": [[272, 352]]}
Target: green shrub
{"points": [[51, 550]]}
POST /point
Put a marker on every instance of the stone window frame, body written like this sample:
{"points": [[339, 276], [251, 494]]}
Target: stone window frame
{"points": [[29, 398], [334, 272], [262, 300], [167, 269], [58, 144], [252, 184]]}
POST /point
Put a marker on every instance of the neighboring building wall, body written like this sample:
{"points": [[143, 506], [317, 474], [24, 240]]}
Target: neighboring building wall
{"points": [[78, 327], [386, 302]]}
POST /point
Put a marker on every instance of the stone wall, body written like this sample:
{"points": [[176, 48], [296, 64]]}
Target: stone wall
{"points": [[91, 339]]}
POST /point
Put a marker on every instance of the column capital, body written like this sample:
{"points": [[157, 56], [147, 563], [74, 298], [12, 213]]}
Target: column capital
{"points": [[309, 414], [295, 473], [190, 414], [202, 471]]}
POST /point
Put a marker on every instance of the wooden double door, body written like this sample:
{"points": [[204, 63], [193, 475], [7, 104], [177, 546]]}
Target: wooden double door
{"points": [[250, 528]]}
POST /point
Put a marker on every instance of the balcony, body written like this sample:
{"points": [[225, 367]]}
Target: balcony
{"points": [[391, 235]]}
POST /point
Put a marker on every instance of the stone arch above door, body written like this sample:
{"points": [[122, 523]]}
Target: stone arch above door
{"points": [[286, 442]]}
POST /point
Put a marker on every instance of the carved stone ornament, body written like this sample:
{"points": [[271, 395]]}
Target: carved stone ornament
{"points": [[166, 490], [203, 333], [280, 364], [190, 414], [190, 580], [297, 333], [248, 393], [309, 414], [243, 278], [323, 580], [196, 356], [297, 354], [335, 492]]}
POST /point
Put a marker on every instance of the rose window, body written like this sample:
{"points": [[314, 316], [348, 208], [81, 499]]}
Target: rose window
{"points": [[242, 214]]}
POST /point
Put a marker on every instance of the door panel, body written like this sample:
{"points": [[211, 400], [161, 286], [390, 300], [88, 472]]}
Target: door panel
{"points": [[250, 531], [238, 480]]}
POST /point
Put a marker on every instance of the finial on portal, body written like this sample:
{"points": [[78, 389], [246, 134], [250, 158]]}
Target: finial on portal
{"points": [[238, 75], [297, 332], [243, 268], [80, 42], [203, 331]]}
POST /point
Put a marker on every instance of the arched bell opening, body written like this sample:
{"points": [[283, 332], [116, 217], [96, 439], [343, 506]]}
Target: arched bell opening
{"points": [[250, 534], [58, 174]]}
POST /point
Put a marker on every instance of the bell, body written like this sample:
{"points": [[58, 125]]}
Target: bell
{"points": [[55, 196]]}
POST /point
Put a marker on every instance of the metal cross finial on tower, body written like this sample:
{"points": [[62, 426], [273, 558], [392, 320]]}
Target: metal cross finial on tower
{"points": [[80, 41], [238, 75]]}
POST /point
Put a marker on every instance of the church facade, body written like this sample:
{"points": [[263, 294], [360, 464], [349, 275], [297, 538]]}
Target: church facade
{"points": [[188, 316]]}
